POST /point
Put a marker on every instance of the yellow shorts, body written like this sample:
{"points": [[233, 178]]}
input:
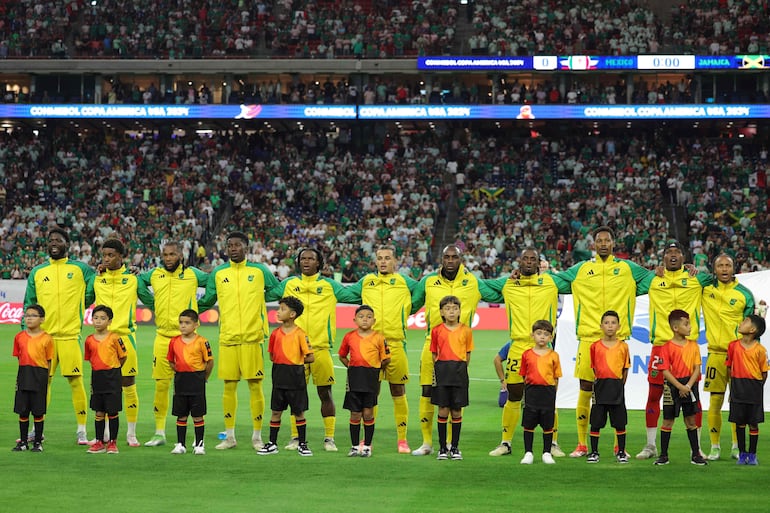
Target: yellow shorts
{"points": [[426, 365], [397, 371], [322, 368], [583, 368], [512, 376], [161, 369], [131, 367], [241, 361], [715, 380], [68, 355]]}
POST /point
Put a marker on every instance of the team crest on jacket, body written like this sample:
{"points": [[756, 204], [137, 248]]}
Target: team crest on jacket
{"points": [[392, 281], [251, 277], [319, 290], [733, 301], [540, 281], [465, 282], [124, 281], [684, 282], [69, 276], [616, 271]]}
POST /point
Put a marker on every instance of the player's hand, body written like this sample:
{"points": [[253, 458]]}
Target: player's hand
{"points": [[100, 268], [134, 270], [515, 274], [660, 271], [691, 269]]}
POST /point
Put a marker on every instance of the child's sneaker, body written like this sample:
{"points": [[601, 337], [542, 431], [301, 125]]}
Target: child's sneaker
{"points": [[593, 458], [699, 460], [662, 460], [302, 450], [751, 459], [743, 458], [455, 453], [443, 454], [20, 446], [97, 448], [293, 444], [366, 452], [548, 458], [329, 445], [579, 452], [37, 447], [112, 447], [270, 448], [179, 449], [503, 449], [199, 449], [527, 459], [353, 451], [622, 457]]}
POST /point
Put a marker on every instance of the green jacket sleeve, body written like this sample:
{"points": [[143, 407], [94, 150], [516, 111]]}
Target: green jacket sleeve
{"points": [[643, 277], [355, 290], [89, 275], [418, 296], [202, 276], [276, 293], [344, 295], [143, 289], [489, 294], [209, 298]]}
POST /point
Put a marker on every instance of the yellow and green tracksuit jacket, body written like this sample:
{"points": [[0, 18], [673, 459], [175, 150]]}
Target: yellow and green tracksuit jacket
{"points": [[725, 305], [118, 289], [390, 296], [64, 288], [240, 288], [172, 292], [675, 290], [319, 296]]}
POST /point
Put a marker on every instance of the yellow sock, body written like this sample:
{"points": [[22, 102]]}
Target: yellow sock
{"points": [[160, 403], [401, 413], [257, 403], [375, 410], [581, 415], [715, 417], [230, 403], [426, 411], [48, 392], [293, 422], [511, 417], [329, 424], [131, 398], [556, 427], [79, 399]]}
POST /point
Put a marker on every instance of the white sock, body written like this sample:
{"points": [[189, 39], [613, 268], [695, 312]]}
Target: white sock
{"points": [[652, 435], [230, 432], [256, 435], [81, 428], [131, 431]]}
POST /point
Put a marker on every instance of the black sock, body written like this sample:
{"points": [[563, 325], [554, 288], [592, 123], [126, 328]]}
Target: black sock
{"points": [[529, 440], [753, 440], [99, 425], [181, 432], [457, 425], [23, 430], [200, 429], [594, 440], [114, 427], [355, 434], [740, 432], [368, 432], [547, 441], [692, 435], [441, 426], [39, 431], [665, 440], [621, 442], [302, 432], [274, 428]]}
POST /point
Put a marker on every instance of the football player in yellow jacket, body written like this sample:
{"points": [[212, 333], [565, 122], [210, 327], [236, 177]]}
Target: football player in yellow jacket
{"points": [[452, 279], [64, 288], [600, 284], [118, 288], [320, 296], [240, 288], [174, 289], [530, 297], [676, 289], [390, 295], [725, 304]]}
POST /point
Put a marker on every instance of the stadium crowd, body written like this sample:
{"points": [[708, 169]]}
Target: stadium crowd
{"points": [[308, 188]]}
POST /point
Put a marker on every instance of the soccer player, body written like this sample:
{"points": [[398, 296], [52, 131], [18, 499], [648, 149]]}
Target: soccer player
{"points": [[365, 353], [725, 304], [189, 355], [35, 349], [676, 289], [680, 363], [600, 284], [541, 370], [174, 289], [389, 294], [118, 288], [452, 279], [747, 365], [64, 288], [107, 353], [240, 287], [290, 351], [610, 361], [451, 344], [320, 296], [530, 297]]}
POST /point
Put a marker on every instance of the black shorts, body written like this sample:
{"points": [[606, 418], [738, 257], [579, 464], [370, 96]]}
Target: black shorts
{"points": [[357, 401], [616, 412], [532, 417], [296, 399], [745, 413], [452, 397], [30, 401], [672, 403], [110, 403], [185, 405]]}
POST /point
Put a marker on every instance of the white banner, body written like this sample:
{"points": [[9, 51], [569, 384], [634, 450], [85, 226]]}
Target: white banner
{"points": [[639, 347]]}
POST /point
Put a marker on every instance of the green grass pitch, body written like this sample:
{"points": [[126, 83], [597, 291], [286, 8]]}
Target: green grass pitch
{"points": [[65, 478]]}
